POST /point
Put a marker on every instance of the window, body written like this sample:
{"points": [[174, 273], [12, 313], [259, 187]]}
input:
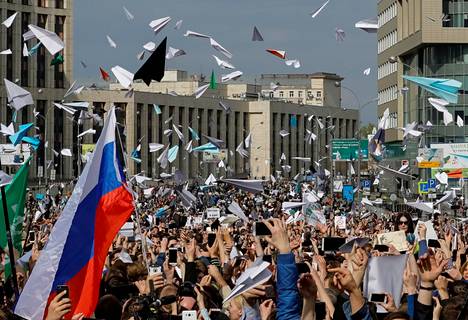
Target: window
{"points": [[459, 113], [319, 94], [299, 94], [59, 4], [41, 56], [291, 94], [271, 94], [281, 94], [41, 3], [309, 94]]}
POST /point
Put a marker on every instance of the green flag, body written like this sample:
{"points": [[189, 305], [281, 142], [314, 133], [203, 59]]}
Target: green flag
{"points": [[213, 84], [16, 195]]}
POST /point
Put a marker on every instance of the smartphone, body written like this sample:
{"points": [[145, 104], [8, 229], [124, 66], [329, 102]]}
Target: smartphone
{"points": [[154, 270], [378, 297], [320, 311], [381, 247], [270, 292], [173, 256], [330, 244], [32, 236], [433, 243], [302, 267], [261, 229], [61, 288], [211, 239], [215, 313], [189, 315], [268, 258]]}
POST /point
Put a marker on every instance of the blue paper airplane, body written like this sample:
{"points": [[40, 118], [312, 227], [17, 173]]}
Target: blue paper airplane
{"points": [[446, 89], [34, 142], [23, 130], [172, 154], [207, 147]]}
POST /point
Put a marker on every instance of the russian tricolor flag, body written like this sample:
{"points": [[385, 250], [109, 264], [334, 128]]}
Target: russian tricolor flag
{"points": [[79, 242]]}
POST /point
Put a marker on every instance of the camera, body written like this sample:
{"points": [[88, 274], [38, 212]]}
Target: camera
{"points": [[147, 307]]}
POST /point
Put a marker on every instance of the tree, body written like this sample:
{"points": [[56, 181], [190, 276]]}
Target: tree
{"points": [[366, 130]]}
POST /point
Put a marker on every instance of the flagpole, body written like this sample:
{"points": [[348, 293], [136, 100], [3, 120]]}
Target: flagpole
{"points": [[11, 251], [143, 239]]}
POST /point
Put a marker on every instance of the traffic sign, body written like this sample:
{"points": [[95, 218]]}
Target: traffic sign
{"points": [[366, 184], [423, 187], [432, 183]]}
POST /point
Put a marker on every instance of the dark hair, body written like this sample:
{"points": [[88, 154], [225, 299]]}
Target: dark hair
{"points": [[397, 315], [408, 217], [108, 308]]}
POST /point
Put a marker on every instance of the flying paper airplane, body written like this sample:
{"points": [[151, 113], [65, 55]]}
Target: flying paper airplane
{"points": [[256, 36], [231, 76], [223, 64], [446, 89], [158, 24], [9, 21], [17, 96], [128, 14], [220, 48], [49, 39], [279, 53], [316, 12], [368, 25], [153, 68], [124, 77], [111, 42]]}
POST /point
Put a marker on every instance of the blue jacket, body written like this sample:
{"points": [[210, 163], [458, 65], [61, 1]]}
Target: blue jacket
{"points": [[289, 300]]}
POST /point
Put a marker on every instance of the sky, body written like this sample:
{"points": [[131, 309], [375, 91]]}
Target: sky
{"points": [[285, 25]]}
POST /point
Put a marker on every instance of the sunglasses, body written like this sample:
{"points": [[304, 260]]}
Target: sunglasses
{"points": [[403, 222]]}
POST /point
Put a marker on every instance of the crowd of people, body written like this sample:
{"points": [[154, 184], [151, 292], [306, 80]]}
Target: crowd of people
{"points": [[172, 262]]}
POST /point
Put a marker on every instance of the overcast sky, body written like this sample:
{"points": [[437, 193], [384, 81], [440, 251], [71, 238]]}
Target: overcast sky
{"points": [[284, 24]]}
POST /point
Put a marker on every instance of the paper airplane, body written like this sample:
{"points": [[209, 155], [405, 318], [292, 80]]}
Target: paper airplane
{"points": [[141, 55], [237, 210], [153, 147], [6, 52], [7, 131], [158, 24], [189, 33], [64, 108], [231, 76], [283, 133], [220, 48], [104, 75], [189, 146], [89, 131], [173, 52], [111, 42], [368, 25], [223, 64], [256, 36], [178, 24], [49, 39], [150, 46], [253, 186], [9, 21], [153, 68], [66, 152], [446, 89], [316, 12], [172, 154], [460, 121], [129, 16], [162, 159], [440, 106], [201, 90], [367, 71], [17, 96], [177, 131], [124, 77], [25, 50], [194, 134], [17, 137], [295, 63], [279, 53], [340, 35]]}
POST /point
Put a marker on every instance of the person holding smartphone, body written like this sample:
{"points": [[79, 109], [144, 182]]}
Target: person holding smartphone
{"points": [[59, 306]]}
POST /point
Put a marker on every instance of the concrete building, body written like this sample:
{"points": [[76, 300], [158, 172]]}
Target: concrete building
{"points": [[263, 119], [34, 73], [428, 38]]}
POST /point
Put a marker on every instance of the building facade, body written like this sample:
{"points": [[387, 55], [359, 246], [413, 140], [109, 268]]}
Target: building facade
{"points": [[47, 83], [263, 119], [427, 38]]}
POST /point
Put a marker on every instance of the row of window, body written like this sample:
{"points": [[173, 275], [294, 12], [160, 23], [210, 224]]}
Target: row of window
{"points": [[387, 15], [310, 95], [386, 69], [387, 41], [58, 4], [388, 94]]}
